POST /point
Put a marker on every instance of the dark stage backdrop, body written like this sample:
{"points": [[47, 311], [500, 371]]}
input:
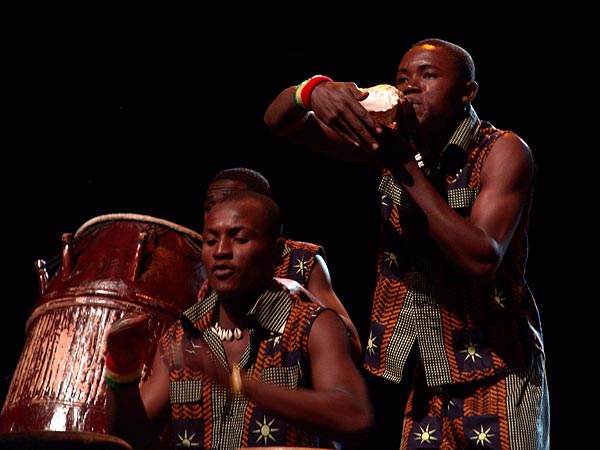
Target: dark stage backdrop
{"points": [[132, 109]]}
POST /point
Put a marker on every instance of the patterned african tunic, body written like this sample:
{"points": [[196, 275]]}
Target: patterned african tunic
{"points": [[298, 260], [464, 332], [208, 416]]}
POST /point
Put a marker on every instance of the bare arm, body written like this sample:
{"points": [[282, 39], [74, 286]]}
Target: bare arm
{"points": [[338, 124], [476, 247], [137, 414], [337, 405], [321, 287]]}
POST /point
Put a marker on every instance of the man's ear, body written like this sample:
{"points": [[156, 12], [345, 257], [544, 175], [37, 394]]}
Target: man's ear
{"points": [[471, 89]]}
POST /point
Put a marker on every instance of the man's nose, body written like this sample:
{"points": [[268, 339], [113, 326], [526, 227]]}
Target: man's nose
{"points": [[411, 86], [222, 248]]}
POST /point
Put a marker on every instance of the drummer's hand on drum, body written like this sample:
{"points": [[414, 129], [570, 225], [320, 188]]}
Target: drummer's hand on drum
{"points": [[128, 338]]}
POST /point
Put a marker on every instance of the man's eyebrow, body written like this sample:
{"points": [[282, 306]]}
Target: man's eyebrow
{"points": [[426, 66], [229, 231]]}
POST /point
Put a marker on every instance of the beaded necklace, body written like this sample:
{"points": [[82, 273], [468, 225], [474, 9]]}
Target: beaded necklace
{"points": [[227, 334]]}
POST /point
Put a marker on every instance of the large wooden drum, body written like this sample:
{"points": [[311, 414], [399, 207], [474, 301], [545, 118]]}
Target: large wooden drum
{"points": [[112, 265]]}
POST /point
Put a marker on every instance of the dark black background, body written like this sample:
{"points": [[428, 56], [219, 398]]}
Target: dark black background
{"points": [[133, 107]]}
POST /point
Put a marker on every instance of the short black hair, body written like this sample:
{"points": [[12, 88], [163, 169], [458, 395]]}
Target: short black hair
{"points": [[271, 209], [255, 181], [462, 58]]}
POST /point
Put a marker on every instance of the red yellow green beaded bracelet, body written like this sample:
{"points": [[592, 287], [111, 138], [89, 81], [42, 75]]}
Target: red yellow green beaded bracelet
{"points": [[304, 89], [128, 374]]}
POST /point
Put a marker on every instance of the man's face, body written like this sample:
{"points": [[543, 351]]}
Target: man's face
{"points": [[429, 77], [238, 250]]}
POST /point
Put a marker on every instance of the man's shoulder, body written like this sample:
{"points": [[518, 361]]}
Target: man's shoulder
{"points": [[292, 287], [292, 244], [296, 290]]}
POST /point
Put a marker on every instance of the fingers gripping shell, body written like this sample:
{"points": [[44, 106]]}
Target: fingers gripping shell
{"points": [[382, 103]]}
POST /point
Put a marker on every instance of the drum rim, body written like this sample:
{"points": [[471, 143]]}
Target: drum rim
{"points": [[138, 218]]}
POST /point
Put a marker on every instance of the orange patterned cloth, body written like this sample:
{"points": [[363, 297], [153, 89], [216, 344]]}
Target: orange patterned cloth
{"points": [[480, 377], [466, 332], [298, 260], [205, 416]]}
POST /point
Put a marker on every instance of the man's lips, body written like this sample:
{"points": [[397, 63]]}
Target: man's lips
{"points": [[222, 271]]}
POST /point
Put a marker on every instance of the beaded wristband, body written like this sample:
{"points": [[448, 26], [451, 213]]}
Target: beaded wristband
{"points": [[117, 376], [304, 89], [130, 366], [117, 385]]}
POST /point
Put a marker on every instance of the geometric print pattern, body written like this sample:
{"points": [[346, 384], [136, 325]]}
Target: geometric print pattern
{"points": [[207, 416], [500, 413], [298, 260], [464, 333], [462, 197]]}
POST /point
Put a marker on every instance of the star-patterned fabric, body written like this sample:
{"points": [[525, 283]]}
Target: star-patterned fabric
{"points": [[298, 260], [207, 416], [485, 336], [464, 332], [481, 414]]}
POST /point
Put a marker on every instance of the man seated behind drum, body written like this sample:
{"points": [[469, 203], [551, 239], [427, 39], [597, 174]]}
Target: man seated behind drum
{"points": [[303, 262], [254, 362]]}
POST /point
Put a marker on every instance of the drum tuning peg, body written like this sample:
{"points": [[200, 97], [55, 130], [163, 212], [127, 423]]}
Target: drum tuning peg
{"points": [[42, 276], [139, 254], [67, 255]]}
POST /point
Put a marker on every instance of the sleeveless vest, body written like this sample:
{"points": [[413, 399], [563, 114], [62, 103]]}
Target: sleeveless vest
{"points": [[298, 260], [208, 416], [464, 331]]}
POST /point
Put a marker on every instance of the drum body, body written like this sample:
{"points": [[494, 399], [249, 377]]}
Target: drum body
{"points": [[113, 265]]}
